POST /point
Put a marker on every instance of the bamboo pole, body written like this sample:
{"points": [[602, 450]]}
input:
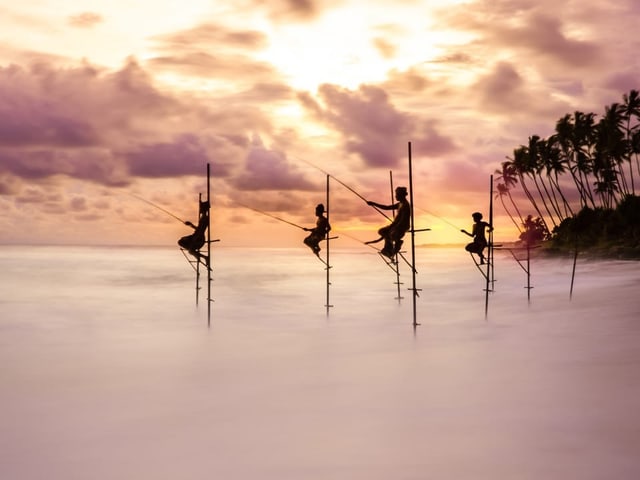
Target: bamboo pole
{"points": [[328, 268], [208, 263], [413, 242]]}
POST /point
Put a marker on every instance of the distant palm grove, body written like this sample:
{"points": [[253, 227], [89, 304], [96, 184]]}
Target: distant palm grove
{"points": [[581, 182]]}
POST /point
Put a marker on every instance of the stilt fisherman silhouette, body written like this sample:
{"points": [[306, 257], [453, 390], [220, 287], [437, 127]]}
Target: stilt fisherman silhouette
{"points": [[194, 242], [319, 232], [392, 234], [479, 242]]}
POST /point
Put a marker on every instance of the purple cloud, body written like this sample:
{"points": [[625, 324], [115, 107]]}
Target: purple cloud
{"points": [[186, 155], [372, 127], [269, 170]]}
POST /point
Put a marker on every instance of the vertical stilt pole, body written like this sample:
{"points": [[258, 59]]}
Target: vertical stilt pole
{"points": [[489, 273], [573, 270], [198, 265], [208, 247], [328, 268], [413, 242], [528, 273], [397, 269]]}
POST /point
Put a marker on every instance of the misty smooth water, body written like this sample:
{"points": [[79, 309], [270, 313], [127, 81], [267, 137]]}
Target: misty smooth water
{"points": [[108, 369]]}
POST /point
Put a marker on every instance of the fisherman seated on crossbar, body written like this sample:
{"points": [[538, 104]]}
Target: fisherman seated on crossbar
{"points": [[479, 242], [320, 231], [393, 233], [194, 242]]}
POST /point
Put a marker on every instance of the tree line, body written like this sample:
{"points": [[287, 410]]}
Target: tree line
{"points": [[588, 166]]}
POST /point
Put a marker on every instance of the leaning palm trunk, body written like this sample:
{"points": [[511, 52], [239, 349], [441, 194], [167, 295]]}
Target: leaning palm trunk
{"points": [[553, 200], [532, 200], [515, 206], [567, 208], [544, 202], [504, 205]]}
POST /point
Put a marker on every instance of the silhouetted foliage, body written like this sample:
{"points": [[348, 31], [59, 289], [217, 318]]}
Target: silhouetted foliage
{"points": [[534, 231], [611, 232], [595, 161]]}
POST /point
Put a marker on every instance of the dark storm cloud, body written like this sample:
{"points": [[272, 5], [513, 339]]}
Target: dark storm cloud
{"points": [[371, 126]]}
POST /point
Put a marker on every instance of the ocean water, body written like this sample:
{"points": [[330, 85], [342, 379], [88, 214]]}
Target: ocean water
{"points": [[109, 370]]}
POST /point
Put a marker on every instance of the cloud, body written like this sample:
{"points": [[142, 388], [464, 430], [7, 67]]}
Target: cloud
{"points": [[371, 126], [217, 53], [185, 155], [85, 20], [87, 164], [212, 35], [270, 170], [291, 10], [107, 126], [527, 30], [219, 67], [78, 204]]}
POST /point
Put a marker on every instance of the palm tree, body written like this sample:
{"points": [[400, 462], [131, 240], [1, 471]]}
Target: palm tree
{"points": [[509, 176], [570, 135], [503, 191], [583, 141], [534, 170], [556, 164], [523, 166], [613, 144], [544, 151], [609, 152], [631, 108]]}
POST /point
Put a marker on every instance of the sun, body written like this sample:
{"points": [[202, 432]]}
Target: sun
{"points": [[355, 45]]}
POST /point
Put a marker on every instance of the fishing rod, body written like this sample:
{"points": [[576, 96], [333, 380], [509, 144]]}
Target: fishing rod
{"points": [[272, 216], [160, 208], [441, 218], [347, 187]]}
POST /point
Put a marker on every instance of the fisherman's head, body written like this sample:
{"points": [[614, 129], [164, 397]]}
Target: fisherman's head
{"points": [[319, 209], [477, 216], [401, 192]]}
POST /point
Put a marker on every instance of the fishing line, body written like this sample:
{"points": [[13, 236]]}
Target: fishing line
{"points": [[347, 187], [272, 216], [158, 207], [439, 217]]}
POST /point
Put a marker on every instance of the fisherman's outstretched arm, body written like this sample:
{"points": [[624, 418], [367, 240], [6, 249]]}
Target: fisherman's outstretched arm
{"points": [[383, 207]]}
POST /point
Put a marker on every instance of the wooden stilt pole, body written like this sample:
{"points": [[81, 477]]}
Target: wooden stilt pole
{"points": [[489, 272], [573, 270], [209, 300], [328, 268], [397, 265], [529, 287], [413, 241], [198, 265]]}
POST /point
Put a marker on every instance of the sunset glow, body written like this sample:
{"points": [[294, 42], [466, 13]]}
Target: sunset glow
{"points": [[101, 100]]}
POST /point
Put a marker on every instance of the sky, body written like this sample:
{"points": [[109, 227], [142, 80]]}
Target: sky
{"points": [[106, 102]]}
